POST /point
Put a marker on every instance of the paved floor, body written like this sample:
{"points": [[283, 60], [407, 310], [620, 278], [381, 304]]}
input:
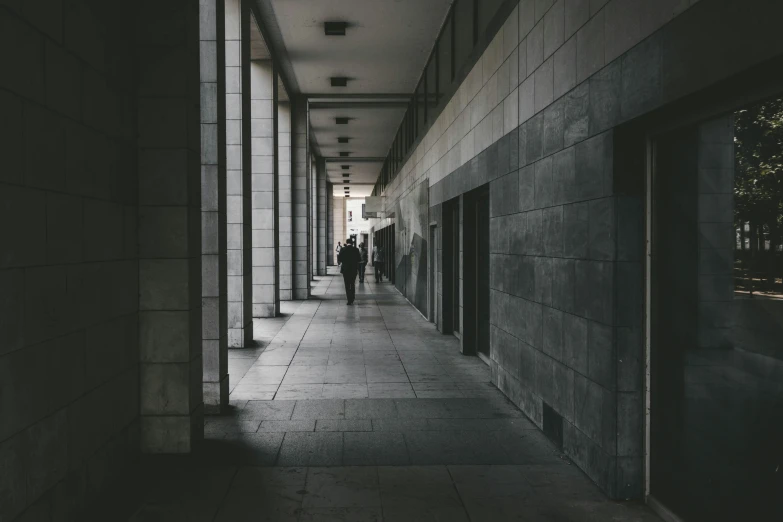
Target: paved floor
{"points": [[364, 413]]}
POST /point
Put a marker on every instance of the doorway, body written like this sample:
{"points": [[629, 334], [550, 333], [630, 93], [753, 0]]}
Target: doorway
{"points": [[432, 285], [451, 267], [476, 272]]}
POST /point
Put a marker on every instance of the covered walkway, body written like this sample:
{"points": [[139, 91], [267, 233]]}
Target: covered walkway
{"points": [[366, 412]]}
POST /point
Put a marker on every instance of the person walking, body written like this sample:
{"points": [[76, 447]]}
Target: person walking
{"points": [[363, 263], [338, 249], [349, 259], [377, 262]]}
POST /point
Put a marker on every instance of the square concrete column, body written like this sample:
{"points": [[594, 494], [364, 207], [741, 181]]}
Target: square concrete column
{"points": [[338, 225], [266, 301], [238, 212], [330, 241], [169, 234], [214, 296], [285, 237], [313, 230], [321, 217], [300, 182]]}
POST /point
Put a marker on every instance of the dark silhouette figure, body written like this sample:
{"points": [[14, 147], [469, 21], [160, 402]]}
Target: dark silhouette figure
{"points": [[377, 262], [349, 259], [363, 264]]}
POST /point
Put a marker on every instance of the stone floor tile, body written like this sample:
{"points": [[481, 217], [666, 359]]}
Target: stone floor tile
{"points": [[287, 425], [417, 487], [341, 514], [264, 375], [453, 447], [311, 449], [258, 449], [382, 448], [370, 409], [343, 425], [344, 391], [390, 390], [262, 392], [305, 375], [319, 409], [299, 391], [268, 410], [342, 487], [399, 424], [341, 374]]}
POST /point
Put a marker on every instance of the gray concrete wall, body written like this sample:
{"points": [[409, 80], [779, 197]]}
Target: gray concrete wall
{"points": [[214, 282], [535, 118], [265, 296], [69, 270]]}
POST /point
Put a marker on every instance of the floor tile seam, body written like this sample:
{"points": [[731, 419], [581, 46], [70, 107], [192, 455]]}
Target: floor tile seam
{"points": [[222, 502], [298, 344]]}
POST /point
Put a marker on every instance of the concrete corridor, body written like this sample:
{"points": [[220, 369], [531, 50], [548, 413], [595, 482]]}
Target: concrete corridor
{"points": [[365, 413]]}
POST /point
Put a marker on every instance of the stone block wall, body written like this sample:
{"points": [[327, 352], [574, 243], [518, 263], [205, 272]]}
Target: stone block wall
{"points": [[69, 268], [536, 118]]}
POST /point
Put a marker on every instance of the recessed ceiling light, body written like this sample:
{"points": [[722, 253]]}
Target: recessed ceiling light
{"points": [[344, 154], [346, 181], [346, 175], [343, 139], [347, 196], [346, 167], [341, 121], [335, 28], [339, 81]]}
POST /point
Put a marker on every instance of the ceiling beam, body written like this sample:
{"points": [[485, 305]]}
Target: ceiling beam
{"points": [[335, 159], [369, 104], [267, 23]]}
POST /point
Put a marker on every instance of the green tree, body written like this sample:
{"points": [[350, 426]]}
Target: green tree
{"points": [[758, 182]]}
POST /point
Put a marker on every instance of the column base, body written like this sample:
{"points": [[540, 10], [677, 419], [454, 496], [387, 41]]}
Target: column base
{"points": [[216, 396], [172, 434]]}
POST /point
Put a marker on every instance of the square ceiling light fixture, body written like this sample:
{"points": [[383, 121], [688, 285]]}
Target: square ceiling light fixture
{"points": [[345, 167], [339, 81], [345, 174], [335, 28], [343, 139], [347, 196], [341, 121], [344, 154]]}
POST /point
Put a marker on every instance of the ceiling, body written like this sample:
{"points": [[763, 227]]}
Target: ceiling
{"points": [[383, 53]]}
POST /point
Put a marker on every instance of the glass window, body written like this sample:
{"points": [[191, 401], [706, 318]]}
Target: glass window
{"points": [[432, 85], [445, 65], [420, 111], [486, 12], [463, 32], [716, 354]]}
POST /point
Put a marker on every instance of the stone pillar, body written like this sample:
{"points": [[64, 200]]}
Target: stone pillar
{"points": [[285, 239], [313, 217], [265, 241], [214, 297], [339, 225], [300, 182], [240, 321], [321, 216], [169, 238], [328, 224]]}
